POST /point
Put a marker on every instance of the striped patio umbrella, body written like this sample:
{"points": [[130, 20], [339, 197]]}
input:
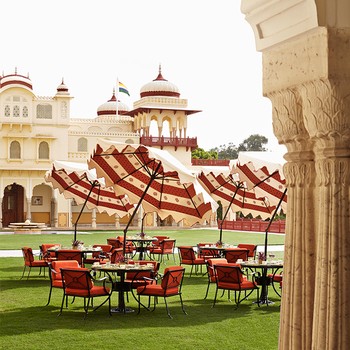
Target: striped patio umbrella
{"points": [[233, 194], [264, 183], [76, 181], [153, 178]]}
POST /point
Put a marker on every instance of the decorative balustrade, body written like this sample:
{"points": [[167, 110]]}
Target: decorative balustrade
{"points": [[255, 225], [188, 142]]}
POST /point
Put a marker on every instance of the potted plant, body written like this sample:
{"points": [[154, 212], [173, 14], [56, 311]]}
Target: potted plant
{"points": [[261, 257], [77, 244], [219, 244]]}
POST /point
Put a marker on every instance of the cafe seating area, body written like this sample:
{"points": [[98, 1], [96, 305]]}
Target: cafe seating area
{"points": [[230, 268]]}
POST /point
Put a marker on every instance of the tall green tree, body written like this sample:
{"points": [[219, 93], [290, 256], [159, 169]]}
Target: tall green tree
{"points": [[254, 142], [200, 153]]}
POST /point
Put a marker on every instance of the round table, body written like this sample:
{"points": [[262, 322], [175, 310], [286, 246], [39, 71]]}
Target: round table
{"points": [[141, 244], [264, 279]]}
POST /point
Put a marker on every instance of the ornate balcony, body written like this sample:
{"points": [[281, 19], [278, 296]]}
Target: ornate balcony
{"points": [[188, 142], [210, 162]]}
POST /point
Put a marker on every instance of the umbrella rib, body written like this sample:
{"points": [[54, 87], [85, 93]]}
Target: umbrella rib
{"points": [[261, 181], [137, 206], [80, 180], [191, 199], [82, 209]]}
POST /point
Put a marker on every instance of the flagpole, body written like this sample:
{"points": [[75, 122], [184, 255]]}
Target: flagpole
{"points": [[117, 96]]}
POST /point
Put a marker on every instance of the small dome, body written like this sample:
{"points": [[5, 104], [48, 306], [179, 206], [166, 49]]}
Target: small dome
{"points": [[17, 80], [110, 107], [160, 87], [62, 89]]}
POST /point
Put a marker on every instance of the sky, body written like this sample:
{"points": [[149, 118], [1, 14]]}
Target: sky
{"points": [[206, 48]]}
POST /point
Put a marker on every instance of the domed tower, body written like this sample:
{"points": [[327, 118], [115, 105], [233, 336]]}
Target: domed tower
{"points": [[160, 104], [109, 108], [63, 97]]}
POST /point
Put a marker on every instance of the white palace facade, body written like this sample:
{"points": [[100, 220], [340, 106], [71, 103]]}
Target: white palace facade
{"points": [[36, 130]]}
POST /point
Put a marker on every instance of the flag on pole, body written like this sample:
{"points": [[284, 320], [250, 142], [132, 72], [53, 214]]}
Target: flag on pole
{"points": [[122, 88]]}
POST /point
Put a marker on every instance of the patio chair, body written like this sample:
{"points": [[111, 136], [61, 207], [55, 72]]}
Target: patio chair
{"points": [[188, 257], [129, 246], [99, 256], [210, 271], [171, 285], [276, 279], [79, 283], [166, 247], [233, 254], [159, 239], [139, 278], [29, 261], [44, 254], [70, 254], [116, 255], [113, 242], [205, 252], [55, 274], [251, 249], [230, 277]]}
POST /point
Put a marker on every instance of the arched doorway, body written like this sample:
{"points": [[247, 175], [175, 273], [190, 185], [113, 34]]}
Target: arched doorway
{"points": [[13, 204]]}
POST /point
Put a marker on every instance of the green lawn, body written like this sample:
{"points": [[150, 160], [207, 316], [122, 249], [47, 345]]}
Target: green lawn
{"points": [[27, 323]]}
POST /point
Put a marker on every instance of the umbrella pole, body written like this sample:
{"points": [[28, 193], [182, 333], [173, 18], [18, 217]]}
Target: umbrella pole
{"points": [[153, 176], [271, 220], [81, 211], [228, 209]]}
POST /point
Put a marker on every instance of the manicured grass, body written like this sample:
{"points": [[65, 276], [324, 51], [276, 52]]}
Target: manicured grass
{"points": [[183, 237], [25, 319]]}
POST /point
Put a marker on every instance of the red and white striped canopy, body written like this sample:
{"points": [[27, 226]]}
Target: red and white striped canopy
{"points": [[264, 183], [76, 181], [153, 178], [225, 189]]}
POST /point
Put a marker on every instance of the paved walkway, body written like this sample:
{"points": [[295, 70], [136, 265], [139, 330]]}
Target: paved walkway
{"points": [[18, 253]]}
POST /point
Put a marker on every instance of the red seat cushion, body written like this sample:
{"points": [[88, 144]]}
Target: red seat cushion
{"points": [[157, 290]]}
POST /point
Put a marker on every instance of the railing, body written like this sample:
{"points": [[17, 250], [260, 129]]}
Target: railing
{"points": [[211, 162], [278, 226], [188, 142]]}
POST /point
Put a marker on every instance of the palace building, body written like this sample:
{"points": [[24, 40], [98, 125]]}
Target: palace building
{"points": [[36, 130]]}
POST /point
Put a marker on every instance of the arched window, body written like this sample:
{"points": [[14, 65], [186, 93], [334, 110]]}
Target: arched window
{"points": [[44, 151], [16, 111], [25, 112], [82, 145], [7, 111], [15, 150]]}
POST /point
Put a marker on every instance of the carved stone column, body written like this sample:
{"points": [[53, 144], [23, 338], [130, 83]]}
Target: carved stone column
{"points": [[327, 116], [306, 74], [299, 256]]}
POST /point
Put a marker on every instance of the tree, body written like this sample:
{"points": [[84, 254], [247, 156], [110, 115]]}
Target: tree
{"points": [[226, 152], [200, 153], [254, 142]]}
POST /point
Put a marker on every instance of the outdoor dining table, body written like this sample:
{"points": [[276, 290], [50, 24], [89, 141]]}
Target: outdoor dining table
{"points": [[264, 280], [141, 244], [84, 250], [120, 286], [214, 250]]}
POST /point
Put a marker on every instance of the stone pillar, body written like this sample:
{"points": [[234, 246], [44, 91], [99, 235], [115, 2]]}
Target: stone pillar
{"points": [[327, 115], [117, 221], [299, 257], [29, 209], [307, 79], [93, 218], [1, 199], [306, 74], [54, 212]]}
